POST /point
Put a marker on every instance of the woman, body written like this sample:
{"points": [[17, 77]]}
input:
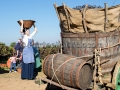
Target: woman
{"points": [[28, 63], [38, 62]]}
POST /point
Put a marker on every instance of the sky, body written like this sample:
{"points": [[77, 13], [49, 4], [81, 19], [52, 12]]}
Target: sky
{"points": [[43, 12]]}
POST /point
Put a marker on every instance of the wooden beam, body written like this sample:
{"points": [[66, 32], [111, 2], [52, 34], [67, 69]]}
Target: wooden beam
{"points": [[55, 6], [56, 84], [84, 22], [66, 14], [106, 20]]}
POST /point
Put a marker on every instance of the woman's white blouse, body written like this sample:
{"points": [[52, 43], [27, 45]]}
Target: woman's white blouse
{"points": [[25, 38]]}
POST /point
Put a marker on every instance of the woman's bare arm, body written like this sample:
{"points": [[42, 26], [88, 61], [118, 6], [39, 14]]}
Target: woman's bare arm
{"points": [[21, 27], [35, 30]]}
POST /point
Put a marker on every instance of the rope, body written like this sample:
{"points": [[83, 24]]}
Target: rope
{"points": [[54, 72], [110, 46], [94, 73], [99, 67]]}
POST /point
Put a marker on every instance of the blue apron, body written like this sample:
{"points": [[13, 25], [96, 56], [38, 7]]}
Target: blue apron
{"points": [[28, 53]]}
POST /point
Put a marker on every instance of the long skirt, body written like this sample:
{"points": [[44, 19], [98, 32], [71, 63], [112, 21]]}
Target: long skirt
{"points": [[27, 71], [28, 64]]}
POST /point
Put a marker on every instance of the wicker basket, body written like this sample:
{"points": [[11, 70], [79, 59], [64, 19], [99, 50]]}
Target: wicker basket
{"points": [[27, 23]]}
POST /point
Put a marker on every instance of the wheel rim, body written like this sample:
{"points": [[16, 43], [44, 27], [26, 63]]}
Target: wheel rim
{"points": [[118, 80]]}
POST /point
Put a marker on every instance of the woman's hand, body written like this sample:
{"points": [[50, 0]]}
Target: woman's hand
{"points": [[21, 21], [21, 27], [35, 27], [35, 30]]}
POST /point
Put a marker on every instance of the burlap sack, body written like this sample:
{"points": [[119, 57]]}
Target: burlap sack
{"points": [[112, 27], [97, 28], [114, 9], [77, 29], [95, 16], [113, 13], [113, 18], [75, 18], [62, 14], [74, 13], [75, 21], [63, 20], [64, 26], [95, 20]]}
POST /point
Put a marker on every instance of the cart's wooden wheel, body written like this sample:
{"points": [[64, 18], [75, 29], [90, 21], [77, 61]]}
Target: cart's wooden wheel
{"points": [[116, 77]]}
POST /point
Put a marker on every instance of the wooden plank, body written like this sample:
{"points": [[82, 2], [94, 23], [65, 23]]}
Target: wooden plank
{"points": [[71, 35], [108, 65], [55, 6], [54, 83], [104, 61], [96, 39], [107, 70], [109, 57], [89, 35]]}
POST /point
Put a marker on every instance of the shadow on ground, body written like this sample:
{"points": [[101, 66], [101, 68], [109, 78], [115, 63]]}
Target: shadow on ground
{"points": [[53, 87]]}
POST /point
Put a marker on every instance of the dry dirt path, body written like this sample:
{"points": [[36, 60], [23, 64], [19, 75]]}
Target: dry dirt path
{"points": [[12, 81]]}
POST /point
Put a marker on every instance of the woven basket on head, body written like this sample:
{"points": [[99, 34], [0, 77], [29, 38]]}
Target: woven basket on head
{"points": [[27, 23]]}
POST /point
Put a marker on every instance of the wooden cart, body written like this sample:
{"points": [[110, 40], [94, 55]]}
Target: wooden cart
{"points": [[100, 49]]}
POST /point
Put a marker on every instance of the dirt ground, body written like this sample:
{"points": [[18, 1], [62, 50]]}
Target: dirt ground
{"points": [[12, 81]]}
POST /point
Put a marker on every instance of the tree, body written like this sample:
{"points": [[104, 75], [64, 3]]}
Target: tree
{"points": [[5, 52], [12, 44]]}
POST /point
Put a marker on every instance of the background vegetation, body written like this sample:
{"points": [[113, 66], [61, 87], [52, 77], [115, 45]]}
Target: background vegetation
{"points": [[43, 48]]}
